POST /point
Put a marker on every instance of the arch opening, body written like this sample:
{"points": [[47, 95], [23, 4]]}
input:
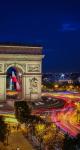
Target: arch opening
{"points": [[14, 83]]}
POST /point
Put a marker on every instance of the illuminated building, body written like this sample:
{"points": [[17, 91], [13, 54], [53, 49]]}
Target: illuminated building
{"points": [[20, 72]]}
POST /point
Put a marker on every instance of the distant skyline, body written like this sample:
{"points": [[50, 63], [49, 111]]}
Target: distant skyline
{"points": [[54, 25]]}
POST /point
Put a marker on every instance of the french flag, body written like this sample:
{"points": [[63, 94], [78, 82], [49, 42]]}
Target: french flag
{"points": [[14, 79]]}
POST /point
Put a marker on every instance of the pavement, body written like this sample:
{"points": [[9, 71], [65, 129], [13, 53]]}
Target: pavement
{"points": [[16, 139], [6, 108]]}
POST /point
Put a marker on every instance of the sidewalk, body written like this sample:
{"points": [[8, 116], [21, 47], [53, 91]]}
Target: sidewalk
{"points": [[16, 139]]}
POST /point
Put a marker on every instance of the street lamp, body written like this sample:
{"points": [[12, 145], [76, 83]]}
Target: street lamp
{"points": [[30, 93], [7, 136]]}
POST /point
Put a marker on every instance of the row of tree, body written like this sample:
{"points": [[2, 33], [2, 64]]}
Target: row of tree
{"points": [[49, 134]]}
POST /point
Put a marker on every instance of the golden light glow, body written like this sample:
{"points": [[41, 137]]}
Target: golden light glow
{"points": [[56, 85], [11, 92], [40, 128], [10, 120]]}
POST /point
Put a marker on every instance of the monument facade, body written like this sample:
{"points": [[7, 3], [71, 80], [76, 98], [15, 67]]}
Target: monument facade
{"points": [[20, 72]]}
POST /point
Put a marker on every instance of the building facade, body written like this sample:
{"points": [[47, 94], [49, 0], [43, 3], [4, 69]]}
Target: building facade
{"points": [[20, 72]]}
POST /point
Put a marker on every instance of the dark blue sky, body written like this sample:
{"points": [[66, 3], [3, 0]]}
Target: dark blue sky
{"points": [[54, 25]]}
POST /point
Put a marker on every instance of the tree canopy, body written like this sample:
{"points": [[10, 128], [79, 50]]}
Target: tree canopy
{"points": [[3, 129], [22, 111]]}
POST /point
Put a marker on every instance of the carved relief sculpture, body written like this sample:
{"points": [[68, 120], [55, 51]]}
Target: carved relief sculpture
{"points": [[34, 85], [33, 68]]}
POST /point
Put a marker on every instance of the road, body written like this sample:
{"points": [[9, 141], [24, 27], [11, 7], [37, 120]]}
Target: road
{"points": [[66, 117], [67, 121]]}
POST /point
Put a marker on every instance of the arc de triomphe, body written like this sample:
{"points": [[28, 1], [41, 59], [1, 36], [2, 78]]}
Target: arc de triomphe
{"points": [[20, 72]]}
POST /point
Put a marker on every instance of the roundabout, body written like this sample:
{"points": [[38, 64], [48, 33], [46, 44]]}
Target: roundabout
{"points": [[55, 103], [67, 118], [47, 104]]}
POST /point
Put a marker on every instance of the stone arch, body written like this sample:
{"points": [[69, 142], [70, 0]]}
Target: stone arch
{"points": [[14, 65]]}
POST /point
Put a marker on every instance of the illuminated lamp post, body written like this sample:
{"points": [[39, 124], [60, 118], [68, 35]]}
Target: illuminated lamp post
{"points": [[30, 93], [56, 86], [71, 87], [7, 136]]}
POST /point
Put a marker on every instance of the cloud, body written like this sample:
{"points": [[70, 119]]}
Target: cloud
{"points": [[69, 27]]}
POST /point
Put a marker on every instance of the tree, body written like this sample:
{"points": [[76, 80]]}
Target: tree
{"points": [[77, 141], [22, 111], [53, 138], [69, 143], [3, 129]]}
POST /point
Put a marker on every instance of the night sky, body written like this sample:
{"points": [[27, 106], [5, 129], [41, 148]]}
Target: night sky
{"points": [[54, 25]]}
